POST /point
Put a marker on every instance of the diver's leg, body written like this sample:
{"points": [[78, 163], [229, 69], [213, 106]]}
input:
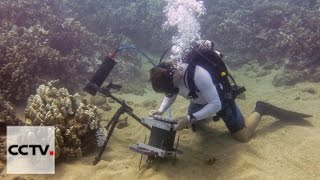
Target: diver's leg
{"points": [[263, 108], [250, 124], [236, 123]]}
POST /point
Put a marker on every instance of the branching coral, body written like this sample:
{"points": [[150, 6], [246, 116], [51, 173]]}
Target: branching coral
{"points": [[75, 121], [7, 116]]}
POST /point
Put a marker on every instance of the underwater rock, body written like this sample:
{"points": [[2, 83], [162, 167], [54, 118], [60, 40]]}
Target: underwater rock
{"points": [[130, 103], [270, 65], [75, 121], [263, 72], [111, 101], [106, 107], [210, 161], [123, 123], [297, 98], [288, 79], [98, 100], [310, 90], [150, 104]]}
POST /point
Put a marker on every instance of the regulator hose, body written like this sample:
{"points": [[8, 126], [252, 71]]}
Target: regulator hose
{"points": [[128, 46]]}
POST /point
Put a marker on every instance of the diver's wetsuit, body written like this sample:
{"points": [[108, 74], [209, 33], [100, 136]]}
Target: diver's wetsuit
{"points": [[208, 103]]}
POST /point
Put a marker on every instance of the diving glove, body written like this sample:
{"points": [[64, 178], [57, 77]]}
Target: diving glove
{"points": [[183, 123], [155, 112]]}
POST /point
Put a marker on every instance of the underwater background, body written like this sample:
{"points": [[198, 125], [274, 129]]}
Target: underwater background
{"points": [[50, 48]]}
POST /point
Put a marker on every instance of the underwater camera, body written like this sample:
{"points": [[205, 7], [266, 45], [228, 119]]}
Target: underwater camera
{"points": [[93, 86]]}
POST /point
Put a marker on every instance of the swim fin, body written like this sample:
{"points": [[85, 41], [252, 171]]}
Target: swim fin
{"points": [[264, 108]]}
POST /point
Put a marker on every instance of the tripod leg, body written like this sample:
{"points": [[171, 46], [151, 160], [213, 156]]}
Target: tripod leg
{"points": [[108, 125], [114, 121], [175, 152]]}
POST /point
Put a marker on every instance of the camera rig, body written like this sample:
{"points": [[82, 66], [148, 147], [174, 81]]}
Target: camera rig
{"points": [[162, 137]]}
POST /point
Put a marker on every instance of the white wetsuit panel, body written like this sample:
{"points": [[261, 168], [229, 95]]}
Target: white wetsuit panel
{"points": [[207, 95]]}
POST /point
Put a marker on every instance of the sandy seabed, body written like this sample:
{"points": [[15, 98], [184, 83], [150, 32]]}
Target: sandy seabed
{"points": [[280, 149]]}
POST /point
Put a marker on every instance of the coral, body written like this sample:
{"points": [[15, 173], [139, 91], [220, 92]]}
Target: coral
{"points": [[7, 116], [38, 42], [141, 21], [98, 100], [282, 32], [3, 149], [75, 120]]}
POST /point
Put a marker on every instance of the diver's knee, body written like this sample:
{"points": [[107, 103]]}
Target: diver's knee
{"points": [[242, 135]]}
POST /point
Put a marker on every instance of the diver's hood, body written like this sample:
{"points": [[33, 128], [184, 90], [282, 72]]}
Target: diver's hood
{"points": [[161, 78]]}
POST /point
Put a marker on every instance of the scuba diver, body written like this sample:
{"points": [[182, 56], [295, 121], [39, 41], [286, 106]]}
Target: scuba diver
{"points": [[204, 79]]}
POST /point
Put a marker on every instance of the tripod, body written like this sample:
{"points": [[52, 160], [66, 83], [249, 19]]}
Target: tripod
{"points": [[124, 108]]}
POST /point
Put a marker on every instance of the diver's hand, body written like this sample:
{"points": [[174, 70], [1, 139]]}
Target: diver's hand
{"points": [[183, 123], [155, 112]]}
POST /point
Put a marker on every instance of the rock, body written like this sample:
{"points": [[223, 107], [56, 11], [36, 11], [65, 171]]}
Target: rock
{"points": [[130, 103], [3, 149], [269, 65], [150, 104], [263, 72], [123, 123], [111, 101], [98, 100], [106, 107], [310, 90], [287, 79], [210, 161]]}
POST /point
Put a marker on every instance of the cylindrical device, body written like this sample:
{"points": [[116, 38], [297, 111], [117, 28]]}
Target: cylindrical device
{"points": [[162, 139], [100, 76]]}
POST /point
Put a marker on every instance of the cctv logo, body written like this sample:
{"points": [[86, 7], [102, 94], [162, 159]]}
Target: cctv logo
{"points": [[16, 150], [30, 150]]}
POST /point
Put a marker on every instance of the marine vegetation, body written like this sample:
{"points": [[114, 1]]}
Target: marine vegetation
{"points": [[75, 120]]}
